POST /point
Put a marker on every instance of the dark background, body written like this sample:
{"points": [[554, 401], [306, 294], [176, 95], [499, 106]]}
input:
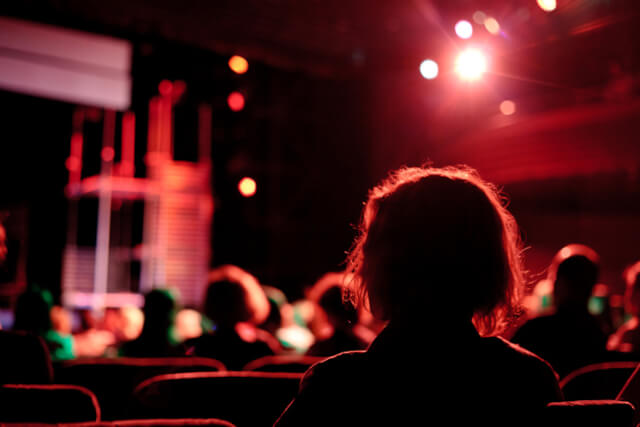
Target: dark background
{"points": [[335, 100]]}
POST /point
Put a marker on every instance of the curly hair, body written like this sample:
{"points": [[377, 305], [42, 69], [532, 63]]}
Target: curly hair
{"points": [[441, 237]]}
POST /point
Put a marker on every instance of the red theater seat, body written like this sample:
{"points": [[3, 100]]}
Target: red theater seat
{"points": [[247, 399], [285, 363], [590, 413], [50, 403], [597, 381], [138, 423], [113, 380]]}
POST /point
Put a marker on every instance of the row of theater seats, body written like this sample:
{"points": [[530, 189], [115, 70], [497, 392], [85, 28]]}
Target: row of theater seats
{"points": [[200, 391]]}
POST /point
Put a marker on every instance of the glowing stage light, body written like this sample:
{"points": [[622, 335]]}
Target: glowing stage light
{"points": [[471, 64], [238, 64], [492, 25], [464, 29], [547, 5], [247, 187], [429, 69], [507, 107], [235, 101]]}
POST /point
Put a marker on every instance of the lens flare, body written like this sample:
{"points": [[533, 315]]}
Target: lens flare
{"points": [[429, 69], [507, 107], [464, 29], [471, 64]]}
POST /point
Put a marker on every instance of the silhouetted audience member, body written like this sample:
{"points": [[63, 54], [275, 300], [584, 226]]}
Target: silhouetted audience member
{"points": [[336, 323], [235, 303], [627, 338], [438, 258], [33, 314], [569, 337], [156, 338], [24, 359]]}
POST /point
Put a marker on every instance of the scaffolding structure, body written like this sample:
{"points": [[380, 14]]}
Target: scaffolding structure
{"points": [[178, 209]]}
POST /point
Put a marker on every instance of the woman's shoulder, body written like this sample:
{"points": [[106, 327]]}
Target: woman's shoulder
{"points": [[509, 352], [337, 366]]}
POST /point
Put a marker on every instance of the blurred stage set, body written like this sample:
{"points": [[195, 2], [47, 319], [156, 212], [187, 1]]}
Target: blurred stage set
{"points": [[139, 150]]}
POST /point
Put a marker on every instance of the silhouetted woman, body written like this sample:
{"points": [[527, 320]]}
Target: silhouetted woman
{"points": [[438, 258]]}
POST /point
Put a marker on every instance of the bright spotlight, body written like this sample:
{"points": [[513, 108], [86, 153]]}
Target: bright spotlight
{"points": [[471, 64], [464, 29], [247, 187], [547, 5], [429, 69]]}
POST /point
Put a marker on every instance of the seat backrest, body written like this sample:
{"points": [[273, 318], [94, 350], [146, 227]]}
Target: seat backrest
{"points": [[50, 403], [113, 380], [597, 381], [247, 399], [282, 363], [173, 422], [589, 413], [138, 423], [24, 359]]}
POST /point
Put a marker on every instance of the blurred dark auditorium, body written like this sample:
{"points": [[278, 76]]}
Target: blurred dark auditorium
{"points": [[189, 235]]}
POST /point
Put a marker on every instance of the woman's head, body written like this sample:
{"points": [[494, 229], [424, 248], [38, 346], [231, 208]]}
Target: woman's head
{"points": [[438, 243]]}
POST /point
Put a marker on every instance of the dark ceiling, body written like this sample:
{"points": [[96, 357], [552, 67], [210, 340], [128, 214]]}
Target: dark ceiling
{"points": [[338, 36]]}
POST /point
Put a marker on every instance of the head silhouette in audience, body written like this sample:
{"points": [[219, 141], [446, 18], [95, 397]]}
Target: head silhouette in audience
{"points": [[336, 323], [574, 272], [156, 338], [570, 337], [438, 258], [32, 313], [235, 303], [627, 337]]}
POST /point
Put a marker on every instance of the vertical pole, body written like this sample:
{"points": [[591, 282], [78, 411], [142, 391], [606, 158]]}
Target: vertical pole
{"points": [[74, 166], [101, 272], [127, 158]]}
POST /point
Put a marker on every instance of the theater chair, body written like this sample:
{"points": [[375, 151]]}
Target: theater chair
{"points": [[24, 359], [138, 423], [50, 403], [282, 363], [172, 423], [589, 413], [113, 380], [247, 399], [597, 381]]}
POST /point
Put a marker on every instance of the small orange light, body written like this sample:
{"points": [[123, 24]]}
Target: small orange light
{"points": [[247, 187], [238, 64], [235, 101]]}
